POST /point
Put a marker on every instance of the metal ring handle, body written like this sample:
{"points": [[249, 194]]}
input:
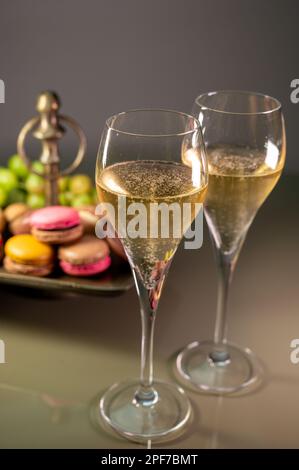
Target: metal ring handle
{"points": [[82, 145], [72, 124], [21, 141]]}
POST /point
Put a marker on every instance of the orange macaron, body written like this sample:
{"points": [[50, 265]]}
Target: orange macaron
{"points": [[26, 255]]}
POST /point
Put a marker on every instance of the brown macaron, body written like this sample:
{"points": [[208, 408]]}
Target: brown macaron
{"points": [[21, 224], [18, 217], [117, 247], [2, 221], [88, 218], [1, 247], [114, 243], [15, 210]]}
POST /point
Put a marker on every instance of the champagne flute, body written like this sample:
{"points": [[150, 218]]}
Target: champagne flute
{"points": [[245, 141], [140, 164]]}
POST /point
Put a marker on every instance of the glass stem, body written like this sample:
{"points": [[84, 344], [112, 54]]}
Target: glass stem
{"points": [[148, 324], [148, 298], [225, 272], [226, 263]]}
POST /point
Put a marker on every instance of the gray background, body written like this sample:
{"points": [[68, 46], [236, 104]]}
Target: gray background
{"points": [[105, 56]]}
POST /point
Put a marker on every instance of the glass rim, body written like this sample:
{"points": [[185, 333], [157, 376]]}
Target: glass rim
{"points": [[276, 108], [109, 122]]}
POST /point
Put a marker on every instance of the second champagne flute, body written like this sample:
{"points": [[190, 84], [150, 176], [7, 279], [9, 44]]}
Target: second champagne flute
{"points": [[140, 167], [245, 141]]}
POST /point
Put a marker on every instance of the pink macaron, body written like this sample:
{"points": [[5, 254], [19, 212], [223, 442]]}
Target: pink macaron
{"points": [[86, 257], [88, 269], [56, 224]]}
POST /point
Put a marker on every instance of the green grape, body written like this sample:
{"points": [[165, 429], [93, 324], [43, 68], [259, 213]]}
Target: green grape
{"points": [[35, 184], [65, 198], [63, 184], [95, 196], [36, 201], [80, 184], [16, 195], [3, 197], [8, 179], [38, 166], [18, 167], [82, 200]]}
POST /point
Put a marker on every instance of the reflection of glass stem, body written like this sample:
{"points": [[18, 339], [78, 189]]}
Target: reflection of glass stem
{"points": [[215, 432], [149, 299], [57, 406]]}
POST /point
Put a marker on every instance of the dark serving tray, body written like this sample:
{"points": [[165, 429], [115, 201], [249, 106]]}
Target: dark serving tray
{"points": [[115, 280]]}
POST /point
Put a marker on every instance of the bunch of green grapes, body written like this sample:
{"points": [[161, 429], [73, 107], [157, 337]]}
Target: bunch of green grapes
{"points": [[76, 191], [17, 184]]}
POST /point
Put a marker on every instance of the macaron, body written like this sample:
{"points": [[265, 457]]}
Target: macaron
{"points": [[88, 257], [88, 218], [56, 225], [2, 221], [117, 247], [22, 223], [12, 211], [26, 255], [1, 247], [18, 217], [113, 242]]}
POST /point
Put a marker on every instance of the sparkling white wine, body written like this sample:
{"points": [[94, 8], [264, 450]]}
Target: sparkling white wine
{"points": [[149, 181], [239, 182]]}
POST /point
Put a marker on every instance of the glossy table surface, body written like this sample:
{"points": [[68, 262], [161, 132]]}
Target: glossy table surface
{"points": [[62, 352]]}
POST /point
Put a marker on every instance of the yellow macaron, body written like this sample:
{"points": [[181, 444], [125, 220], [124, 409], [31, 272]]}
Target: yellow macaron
{"points": [[25, 249]]}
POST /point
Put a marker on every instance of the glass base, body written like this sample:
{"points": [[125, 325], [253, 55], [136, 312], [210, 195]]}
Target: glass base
{"points": [[161, 418], [218, 369]]}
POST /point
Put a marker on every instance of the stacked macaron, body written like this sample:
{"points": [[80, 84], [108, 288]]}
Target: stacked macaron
{"points": [[86, 257], [1, 246], [2, 221], [56, 225], [26, 255], [18, 217], [88, 218], [2, 227]]}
